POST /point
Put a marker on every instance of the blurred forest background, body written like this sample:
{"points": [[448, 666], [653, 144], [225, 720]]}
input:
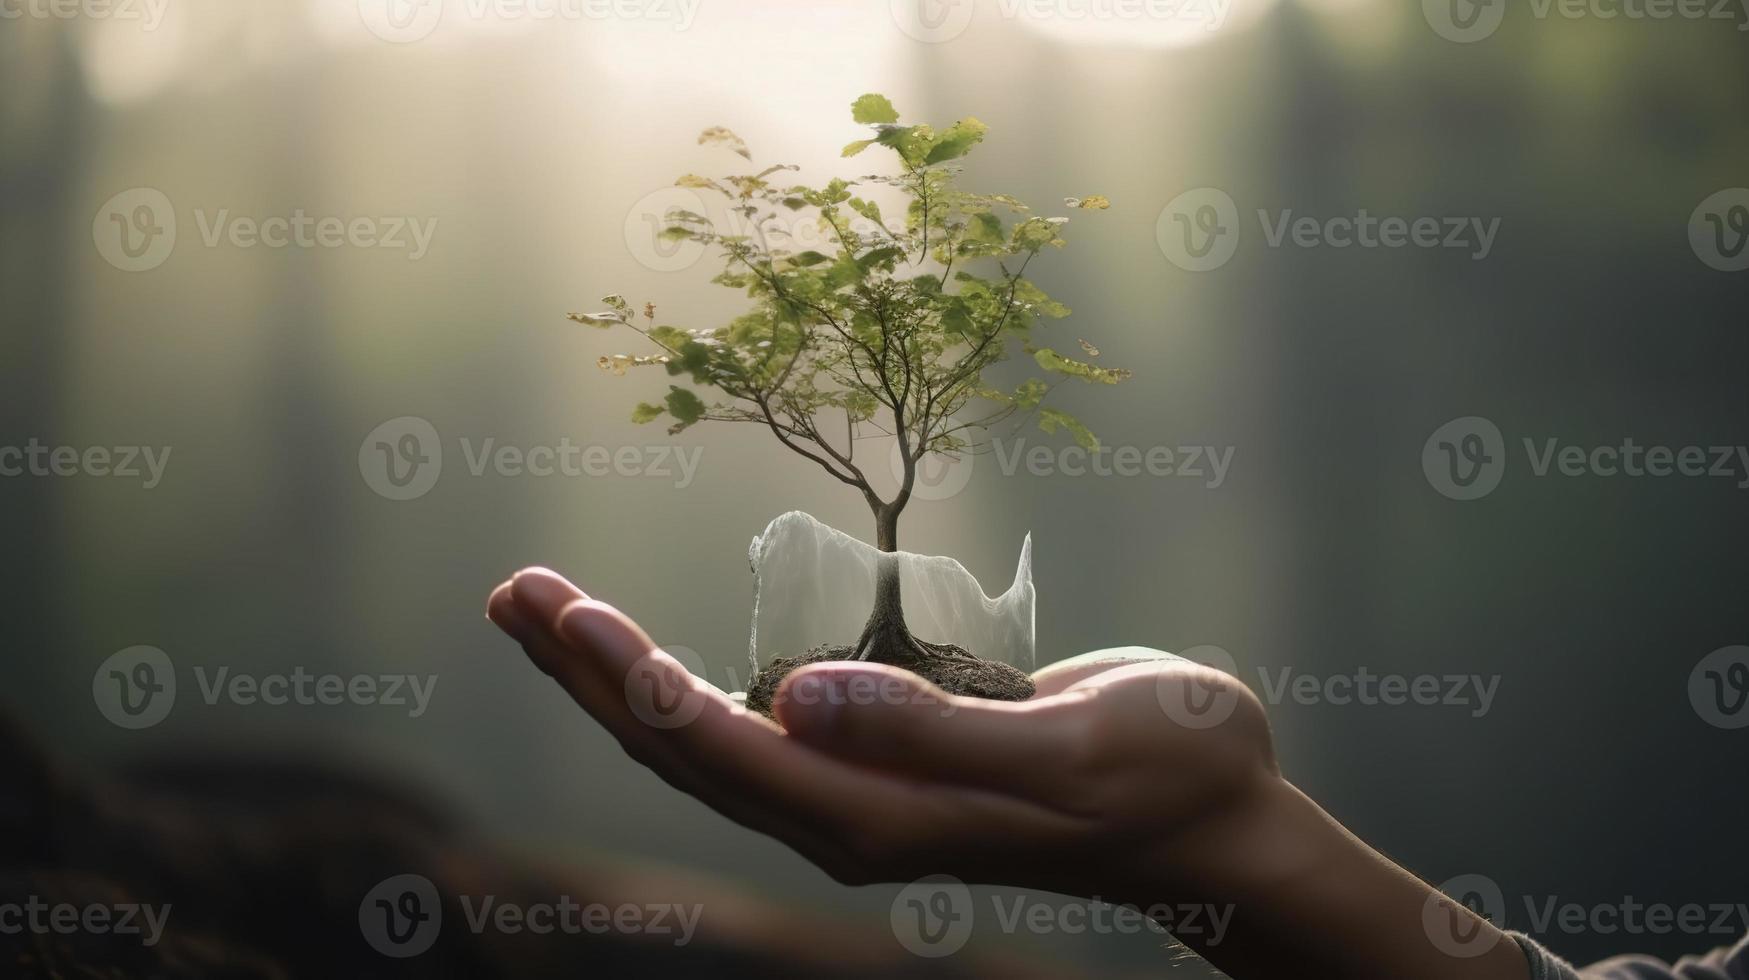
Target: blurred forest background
{"points": [[533, 144]]}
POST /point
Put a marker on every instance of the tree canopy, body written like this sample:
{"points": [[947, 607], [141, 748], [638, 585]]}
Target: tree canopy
{"points": [[863, 324]]}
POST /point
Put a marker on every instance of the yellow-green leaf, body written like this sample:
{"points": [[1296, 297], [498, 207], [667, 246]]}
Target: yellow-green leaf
{"points": [[873, 108]]}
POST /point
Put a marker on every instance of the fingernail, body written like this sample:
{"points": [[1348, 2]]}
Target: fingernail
{"points": [[541, 595], [813, 703]]}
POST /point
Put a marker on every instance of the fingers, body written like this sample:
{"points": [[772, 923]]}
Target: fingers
{"points": [[1063, 674], [855, 824], [859, 824], [894, 721]]}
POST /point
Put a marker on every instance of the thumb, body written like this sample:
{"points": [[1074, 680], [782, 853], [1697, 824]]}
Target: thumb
{"points": [[890, 719]]}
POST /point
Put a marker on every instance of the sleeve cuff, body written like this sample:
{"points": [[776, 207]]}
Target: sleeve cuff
{"points": [[1544, 965]]}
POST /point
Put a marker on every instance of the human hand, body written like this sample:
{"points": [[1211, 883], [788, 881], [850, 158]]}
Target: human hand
{"points": [[877, 775], [1132, 775]]}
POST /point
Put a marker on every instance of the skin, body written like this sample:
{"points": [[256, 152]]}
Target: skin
{"points": [[1098, 787]]}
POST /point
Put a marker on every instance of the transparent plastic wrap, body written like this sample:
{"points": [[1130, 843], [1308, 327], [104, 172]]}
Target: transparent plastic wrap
{"points": [[815, 585]]}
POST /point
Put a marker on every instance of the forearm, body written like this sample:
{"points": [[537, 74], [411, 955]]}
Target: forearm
{"points": [[1307, 898]]}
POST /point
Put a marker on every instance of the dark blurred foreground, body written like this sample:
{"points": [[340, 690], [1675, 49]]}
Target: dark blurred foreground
{"points": [[264, 865]]}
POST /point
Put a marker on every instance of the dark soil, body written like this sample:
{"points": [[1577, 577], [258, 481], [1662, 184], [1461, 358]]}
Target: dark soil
{"points": [[948, 667]]}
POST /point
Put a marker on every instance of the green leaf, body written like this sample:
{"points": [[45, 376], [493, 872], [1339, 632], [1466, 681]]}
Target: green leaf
{"points": [[1051, 419], [1050, 360], [685, 407], [723, 137], [873, 108], [810, 258], [646, 412], [880, 257], [867, 209], [956, 321], [853, 148], [694, 359], [986, 227], [911, 142], [1030, 393], [672, 338], [956, 141], [603, 320], [1035, 233]]}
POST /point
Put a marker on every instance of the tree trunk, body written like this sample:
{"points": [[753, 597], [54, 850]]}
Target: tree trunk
{"points": [[885, 639]]}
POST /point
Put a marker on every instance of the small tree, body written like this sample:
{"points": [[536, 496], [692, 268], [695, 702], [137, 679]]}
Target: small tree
{"points": [[886, 329]]}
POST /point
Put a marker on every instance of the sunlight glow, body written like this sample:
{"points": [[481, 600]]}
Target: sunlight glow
{"points": [[1135, 23]]}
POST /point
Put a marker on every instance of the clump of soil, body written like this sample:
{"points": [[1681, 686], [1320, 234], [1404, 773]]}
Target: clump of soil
{"points": [[948, 667]]}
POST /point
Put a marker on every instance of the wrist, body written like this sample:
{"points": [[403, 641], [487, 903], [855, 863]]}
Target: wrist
{"points": [[1300, 895]]}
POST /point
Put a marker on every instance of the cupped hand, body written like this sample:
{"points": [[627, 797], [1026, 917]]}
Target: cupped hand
{"points": [[876, 775]]}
